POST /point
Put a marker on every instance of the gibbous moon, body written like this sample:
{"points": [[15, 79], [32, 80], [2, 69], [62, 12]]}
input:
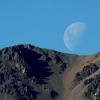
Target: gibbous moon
{"points": [[73, 35]]}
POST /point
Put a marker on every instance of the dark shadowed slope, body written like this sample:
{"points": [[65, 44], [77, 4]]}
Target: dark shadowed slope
{"points": [[31, 73]]}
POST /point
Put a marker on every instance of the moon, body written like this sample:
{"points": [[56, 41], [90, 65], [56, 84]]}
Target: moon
{"points": [[73, 35]]}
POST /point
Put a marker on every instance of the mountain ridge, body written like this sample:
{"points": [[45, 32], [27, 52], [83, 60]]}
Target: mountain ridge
{"points": [[31, 73]]}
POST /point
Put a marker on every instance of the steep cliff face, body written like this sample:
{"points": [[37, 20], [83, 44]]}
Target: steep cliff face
{"points": [[32, 73]]}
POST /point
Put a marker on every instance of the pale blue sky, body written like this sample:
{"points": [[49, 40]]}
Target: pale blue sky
{"points": [[42, 23]]}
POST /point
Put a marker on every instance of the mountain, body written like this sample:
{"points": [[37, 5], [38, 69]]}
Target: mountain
{"points": [[31, 73]]}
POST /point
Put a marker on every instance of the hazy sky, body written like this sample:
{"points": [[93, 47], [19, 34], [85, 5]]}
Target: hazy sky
{"points": [[42, 23]]}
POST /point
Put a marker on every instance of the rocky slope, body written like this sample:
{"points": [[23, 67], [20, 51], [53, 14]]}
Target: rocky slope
{"points": [[32, 73]]}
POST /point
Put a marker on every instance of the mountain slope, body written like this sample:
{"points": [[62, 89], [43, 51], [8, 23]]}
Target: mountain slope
{"points": [[32, 73]]}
